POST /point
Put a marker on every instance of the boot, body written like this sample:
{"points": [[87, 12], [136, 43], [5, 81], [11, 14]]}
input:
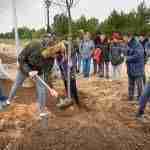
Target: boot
{"points": [[63, 103]]}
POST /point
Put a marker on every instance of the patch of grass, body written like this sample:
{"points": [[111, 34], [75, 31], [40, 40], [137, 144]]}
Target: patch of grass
{"points": [[12, 41]]}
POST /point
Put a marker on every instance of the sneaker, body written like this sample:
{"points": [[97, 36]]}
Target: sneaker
{"points": [[64, 103], [139, 115], [61, 103], [8, 102], [44, 114]]}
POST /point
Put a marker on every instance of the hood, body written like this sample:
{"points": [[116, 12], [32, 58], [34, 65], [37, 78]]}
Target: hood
{"points": [[133, 43]]}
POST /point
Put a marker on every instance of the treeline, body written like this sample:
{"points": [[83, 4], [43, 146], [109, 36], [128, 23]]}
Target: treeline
{"points": [[137, 21], [24, 33]]}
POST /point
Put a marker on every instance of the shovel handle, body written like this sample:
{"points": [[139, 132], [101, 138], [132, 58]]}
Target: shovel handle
{"points": [[46, 85]]}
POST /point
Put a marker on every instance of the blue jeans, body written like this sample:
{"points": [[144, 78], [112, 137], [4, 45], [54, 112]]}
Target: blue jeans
{"points": [[1, 89], [144, 98], [2, 97], [86, 66], [41, 90]]}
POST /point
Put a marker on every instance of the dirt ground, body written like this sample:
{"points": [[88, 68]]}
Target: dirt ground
{"points": [[105, 121]]}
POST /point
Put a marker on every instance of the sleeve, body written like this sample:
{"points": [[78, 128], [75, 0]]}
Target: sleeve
{"points": [[81, 47], [147, 49], [92, 45], [138, 54], [23, 61]]}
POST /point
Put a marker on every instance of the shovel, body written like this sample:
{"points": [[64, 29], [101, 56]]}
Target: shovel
{"points": [[52, 91], [63, 103]]}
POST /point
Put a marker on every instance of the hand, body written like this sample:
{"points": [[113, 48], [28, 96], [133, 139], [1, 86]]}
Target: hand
{"points": [[33, 74], [54, 93]]}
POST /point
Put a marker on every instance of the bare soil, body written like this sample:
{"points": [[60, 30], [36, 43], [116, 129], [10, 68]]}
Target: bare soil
{"points": [[105, 121]]}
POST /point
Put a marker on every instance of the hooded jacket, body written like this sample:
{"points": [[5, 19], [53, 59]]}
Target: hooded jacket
{"points": [[105, 47], [135, 59], [31, 58], [117, 54]]}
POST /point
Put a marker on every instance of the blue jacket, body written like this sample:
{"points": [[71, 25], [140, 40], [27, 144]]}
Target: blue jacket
{"points": [[135, 59], [86, 48], [147, 49]]}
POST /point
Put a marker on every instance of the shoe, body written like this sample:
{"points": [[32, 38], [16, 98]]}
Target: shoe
{"points": [[44, 114], [8, 102], [64, 103], [140, 115], [141, 118]]}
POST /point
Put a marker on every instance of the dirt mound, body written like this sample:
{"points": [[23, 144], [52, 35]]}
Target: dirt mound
{"points": [[7, 59], [105, 121]]}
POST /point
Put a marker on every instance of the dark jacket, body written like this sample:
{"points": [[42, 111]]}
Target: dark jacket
{"points": [[117, 54], [105, 47], [144, 43], [97, 41], [147, 49], [31, 59], [63, 65], [135, 59]]}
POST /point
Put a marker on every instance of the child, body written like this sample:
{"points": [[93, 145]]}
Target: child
{"points": [[97, 58], [63, 65], [117, 56]]}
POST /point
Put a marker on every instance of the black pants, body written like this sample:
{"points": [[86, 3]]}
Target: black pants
{"points": [[95, 66], [132, 82], [144, 77], [73, 89]]}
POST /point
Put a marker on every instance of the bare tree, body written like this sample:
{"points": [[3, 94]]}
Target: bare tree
{"points": [[68, 4]]}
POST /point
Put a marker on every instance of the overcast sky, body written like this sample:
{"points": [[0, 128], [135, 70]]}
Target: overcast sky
{"points": [[31, 13]]}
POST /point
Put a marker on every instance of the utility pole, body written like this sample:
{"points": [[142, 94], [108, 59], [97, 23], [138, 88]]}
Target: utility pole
{"points": [[48, 4], [15, 22], [69, 4]]}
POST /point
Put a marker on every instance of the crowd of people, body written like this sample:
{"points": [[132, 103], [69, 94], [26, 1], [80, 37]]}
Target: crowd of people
{"points": [[114, 51], [105, 53]]}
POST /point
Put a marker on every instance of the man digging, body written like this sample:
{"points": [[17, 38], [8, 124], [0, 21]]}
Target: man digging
{"points": [[36, 60]]}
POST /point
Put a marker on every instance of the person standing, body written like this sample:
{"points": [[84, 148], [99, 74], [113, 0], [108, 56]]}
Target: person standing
{"points": [[97, 53], [135, 67], [117, 56], [143, 100], [145, 97], [86, 51], [144, 40], [105, 47], [76, 55], [62, 62], [97, 59]]}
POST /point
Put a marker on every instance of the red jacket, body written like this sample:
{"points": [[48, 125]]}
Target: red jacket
{"points": [[97, 55]]}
